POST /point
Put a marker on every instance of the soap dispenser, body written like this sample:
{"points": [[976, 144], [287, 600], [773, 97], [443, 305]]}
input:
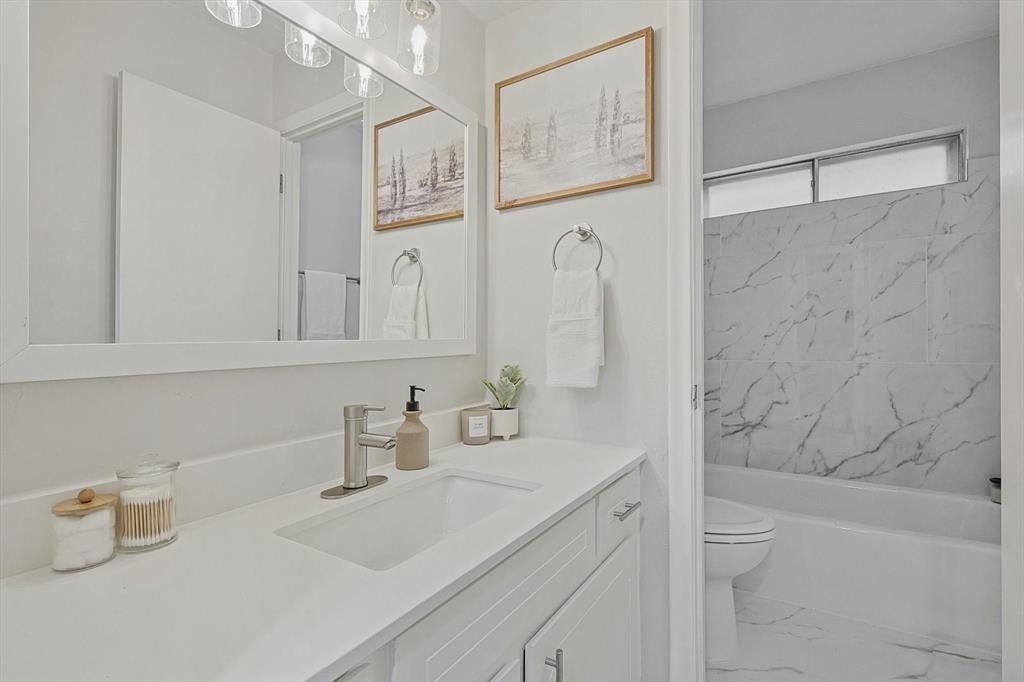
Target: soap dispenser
{"points": [[412, 450]]}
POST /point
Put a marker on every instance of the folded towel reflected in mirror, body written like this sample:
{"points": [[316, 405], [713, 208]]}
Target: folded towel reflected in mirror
{"points": [[575, 332], [407, 313]]}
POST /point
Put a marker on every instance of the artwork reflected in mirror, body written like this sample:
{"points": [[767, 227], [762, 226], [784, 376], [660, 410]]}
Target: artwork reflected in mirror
{"points": [[419, 165], [216, 183]]}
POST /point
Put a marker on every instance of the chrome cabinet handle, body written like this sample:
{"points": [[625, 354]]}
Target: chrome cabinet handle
{"points": [[630, 508], [557, 663]]}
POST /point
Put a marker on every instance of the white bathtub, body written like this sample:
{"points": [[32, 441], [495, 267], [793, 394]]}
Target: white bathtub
{"points": [[915, 560]]}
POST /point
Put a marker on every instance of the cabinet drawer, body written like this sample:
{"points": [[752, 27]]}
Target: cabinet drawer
{"points": [[612, 529], [485, 625]]}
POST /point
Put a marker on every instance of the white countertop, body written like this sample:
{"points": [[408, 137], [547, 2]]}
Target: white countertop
{"points": [[230, 599]]}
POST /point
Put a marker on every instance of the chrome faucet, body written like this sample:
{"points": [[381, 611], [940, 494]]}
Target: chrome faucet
{"points": [[357, 439]]}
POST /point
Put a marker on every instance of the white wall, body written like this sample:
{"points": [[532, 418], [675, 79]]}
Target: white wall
{"points": [[330, 200], [297, 88], [956, 86], [628, 407], [62, 433], [77, 50]]}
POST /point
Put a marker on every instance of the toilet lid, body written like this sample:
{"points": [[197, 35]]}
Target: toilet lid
{"points": [[722, 517]]}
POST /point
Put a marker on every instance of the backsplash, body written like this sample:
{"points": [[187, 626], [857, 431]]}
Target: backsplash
{"points": [[859, 338]]}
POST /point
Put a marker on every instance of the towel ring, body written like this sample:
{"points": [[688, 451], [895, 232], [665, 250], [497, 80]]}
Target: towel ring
{"points": [[583, 232], [413, 255]]}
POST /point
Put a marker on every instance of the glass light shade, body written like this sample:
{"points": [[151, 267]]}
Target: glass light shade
{"points": [[362, 18], [419, 36], [361, 81], [305, 49], [237, 13]]}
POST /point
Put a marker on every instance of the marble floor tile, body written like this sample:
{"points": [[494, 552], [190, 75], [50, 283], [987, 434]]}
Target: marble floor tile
{"points": [[780, 641]]}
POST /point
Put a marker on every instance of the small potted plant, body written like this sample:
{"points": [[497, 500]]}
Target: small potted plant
{"points": [[504, 417]]}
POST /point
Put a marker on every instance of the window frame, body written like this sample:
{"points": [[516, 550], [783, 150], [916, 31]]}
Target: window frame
{"points": [[960, 133]]}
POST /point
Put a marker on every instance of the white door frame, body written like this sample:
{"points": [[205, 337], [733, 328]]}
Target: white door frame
{"points": [[686, 343], [295, 128], [1011, 364]]}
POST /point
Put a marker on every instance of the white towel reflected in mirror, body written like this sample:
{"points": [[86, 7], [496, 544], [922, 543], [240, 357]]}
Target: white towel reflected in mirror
{"points": [[407, 313], [323, 299]]}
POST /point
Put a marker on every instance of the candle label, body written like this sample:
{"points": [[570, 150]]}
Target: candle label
{"points": [[479, 427]]}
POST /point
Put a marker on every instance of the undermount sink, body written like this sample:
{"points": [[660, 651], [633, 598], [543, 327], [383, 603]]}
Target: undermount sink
{"points": [[397, 527]]}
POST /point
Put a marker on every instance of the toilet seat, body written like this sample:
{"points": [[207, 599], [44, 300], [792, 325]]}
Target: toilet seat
{"points": [[729, 523]]}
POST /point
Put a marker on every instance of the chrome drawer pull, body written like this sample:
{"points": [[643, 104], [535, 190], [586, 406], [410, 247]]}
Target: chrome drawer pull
{"points": [[630, 508], [557, 664]]}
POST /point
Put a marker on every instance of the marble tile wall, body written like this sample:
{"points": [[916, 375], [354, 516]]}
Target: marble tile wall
{"points": [[859, 338]]}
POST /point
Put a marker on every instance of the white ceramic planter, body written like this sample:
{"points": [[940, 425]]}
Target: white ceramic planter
{"points": [[504, 423]]}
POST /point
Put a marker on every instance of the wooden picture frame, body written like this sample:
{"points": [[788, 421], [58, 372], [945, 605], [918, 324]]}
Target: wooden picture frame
{"points": [[590, 151], [432, 175]]}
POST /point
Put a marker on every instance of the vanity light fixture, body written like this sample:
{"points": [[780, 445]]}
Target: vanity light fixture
{"points": [[236, 13], [362, 18], [361, 81], [305, 49], [419, 36]]}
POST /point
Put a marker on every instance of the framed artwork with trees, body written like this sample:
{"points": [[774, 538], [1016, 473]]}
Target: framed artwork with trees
{"points": [[582, 124], [418, 176]]}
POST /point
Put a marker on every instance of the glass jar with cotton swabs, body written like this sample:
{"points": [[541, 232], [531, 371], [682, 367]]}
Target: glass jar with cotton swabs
{"points": [[145, 510]]}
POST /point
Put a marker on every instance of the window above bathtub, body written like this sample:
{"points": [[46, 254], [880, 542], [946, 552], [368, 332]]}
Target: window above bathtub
{"points": [[922, 160]]}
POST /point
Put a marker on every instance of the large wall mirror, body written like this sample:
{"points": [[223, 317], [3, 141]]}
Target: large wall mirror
{"points": [[196, 179]]}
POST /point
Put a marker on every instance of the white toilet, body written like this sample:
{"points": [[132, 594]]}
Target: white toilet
{"points": [[736, 539]]}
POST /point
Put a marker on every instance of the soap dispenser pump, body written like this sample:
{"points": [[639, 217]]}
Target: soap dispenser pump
{"points": [[413, 449]]}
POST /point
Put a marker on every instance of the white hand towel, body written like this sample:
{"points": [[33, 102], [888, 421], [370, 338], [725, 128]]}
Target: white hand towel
{"points": [[407, 313], [575, 333], [322, 314]]}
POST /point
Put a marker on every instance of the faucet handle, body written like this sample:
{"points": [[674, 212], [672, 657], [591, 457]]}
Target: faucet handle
{"points": [[359, 411]]}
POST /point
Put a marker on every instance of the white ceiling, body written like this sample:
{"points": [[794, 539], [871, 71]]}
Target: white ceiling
{"points": [[754, 47], [489, 10]]}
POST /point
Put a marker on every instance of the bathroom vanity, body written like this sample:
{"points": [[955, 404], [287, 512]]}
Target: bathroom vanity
{"points": [[495, 563]]}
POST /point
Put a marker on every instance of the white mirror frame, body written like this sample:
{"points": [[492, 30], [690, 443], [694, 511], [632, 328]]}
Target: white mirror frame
{"points": [[21, 361]]}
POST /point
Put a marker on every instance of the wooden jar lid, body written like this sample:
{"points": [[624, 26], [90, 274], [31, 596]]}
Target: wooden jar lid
{"points": [[87, 502]]}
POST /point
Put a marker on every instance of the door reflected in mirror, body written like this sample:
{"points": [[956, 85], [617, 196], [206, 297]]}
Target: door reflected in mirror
{"points": [[194, 180]]}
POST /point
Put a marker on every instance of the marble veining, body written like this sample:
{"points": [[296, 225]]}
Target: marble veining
{"points": [[963, 297], [781, 641], [858, 338]]}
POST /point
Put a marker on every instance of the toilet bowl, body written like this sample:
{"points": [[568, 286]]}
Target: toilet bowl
{"points": [[736, 539]]}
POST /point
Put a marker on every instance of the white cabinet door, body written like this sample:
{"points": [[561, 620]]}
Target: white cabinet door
{"points": [[483, 627], [597, 630]]}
